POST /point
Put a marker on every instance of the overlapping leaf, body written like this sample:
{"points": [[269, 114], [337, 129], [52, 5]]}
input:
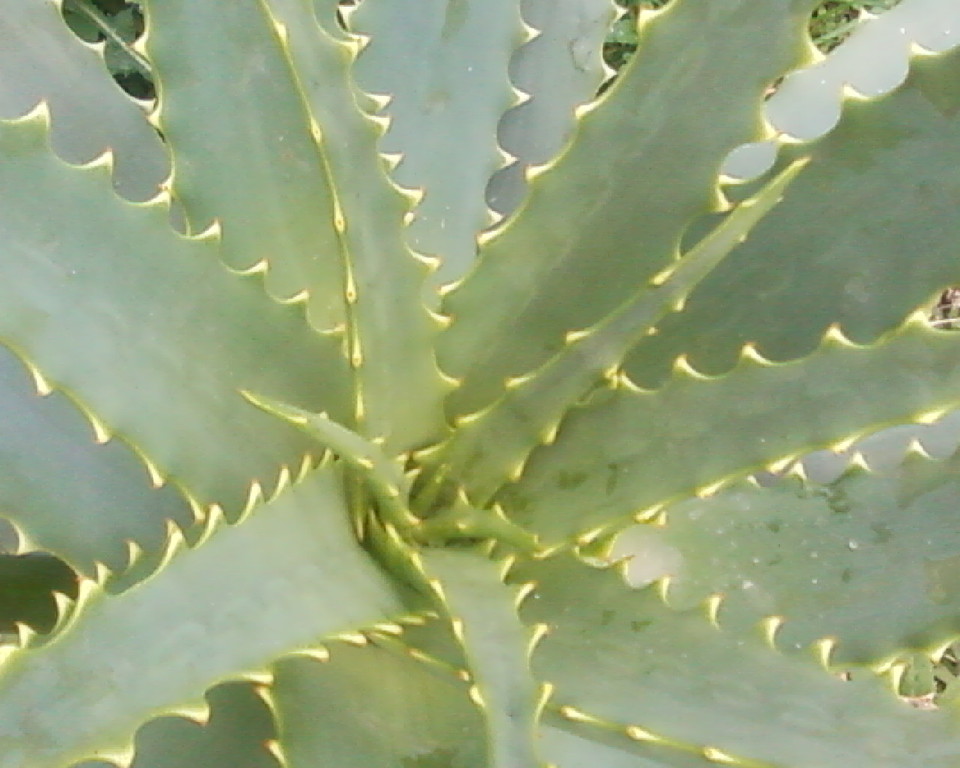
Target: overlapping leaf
{"points": [[625, 451], [149, 331], [672, 679], [611, 211], [865, 236], [40, 59], [272, 144], [493, 445], [444, 67], [869, 561], [244, 150], [370, 708], [287, 577], [66, 493], [392, 333], [560, 69]]}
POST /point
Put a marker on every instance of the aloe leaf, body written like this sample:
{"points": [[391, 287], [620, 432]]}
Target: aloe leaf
{"points": [[497, 646], [558, 70], [393, 333], [881, 189], [236, 731], [148, 331], [492, 447], [627, 450], [294, 566], [444, 66], [382, 475], [370, 708], [672, 679], [570, 746], [868, 561], [245, 151], [90, 112], [67, 494], [872, 60], [610, 212]]}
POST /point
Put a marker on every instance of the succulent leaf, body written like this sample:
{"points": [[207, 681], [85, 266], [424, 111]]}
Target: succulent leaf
{"points": [[288, 576], [628, 450], [483, 612], [372, 708], [866, 561], [186, 333], [247, 521], [596, 224], [443, 66], [90, 113], [558, 70], [246, 153], [237, 729], [486, 450], [866, 237], [68, 495], [383, 475], [621, 656], [391, 332]]}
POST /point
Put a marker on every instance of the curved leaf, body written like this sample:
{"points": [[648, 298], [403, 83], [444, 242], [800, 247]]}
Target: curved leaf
{"points": [[560, 69], [610, 212], [40, 59], [444, 66], [289, 576], [148, 330], [369, 708], [69, 495], [627, 450], [869, 561], [392, 332], [245, 151], [672, 679], [866, 236], [497, 648]]}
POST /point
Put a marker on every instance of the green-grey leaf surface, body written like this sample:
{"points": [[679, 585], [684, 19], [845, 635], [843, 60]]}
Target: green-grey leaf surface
{"points": [[444, 65], [287, 577], [496, 646], [381, 474], [66, 493], [370, 708], [625, 658], [624, 450], [148, 330], [244, 149], [867, 234], [236, 734], [558, 70], [574, 745], [869, 560], [394, 333], [610, 213], [486, 450], [40, 59]]}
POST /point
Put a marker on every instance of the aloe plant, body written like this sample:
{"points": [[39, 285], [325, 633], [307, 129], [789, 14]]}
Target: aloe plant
{"points": [[329, 389]]}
